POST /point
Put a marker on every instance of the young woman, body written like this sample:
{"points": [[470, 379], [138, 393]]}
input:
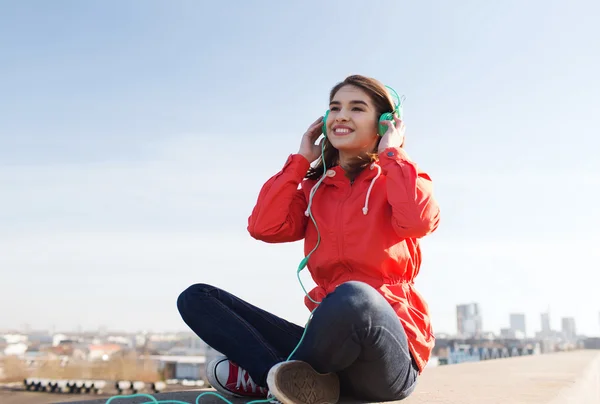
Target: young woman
{"points": [[361, 218]]}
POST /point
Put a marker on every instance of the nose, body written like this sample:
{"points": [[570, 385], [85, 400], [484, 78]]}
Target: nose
{"points": [[342, 115]]}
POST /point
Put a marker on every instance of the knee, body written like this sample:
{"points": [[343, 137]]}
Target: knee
{"points": [[190, 295], [357, 298]]}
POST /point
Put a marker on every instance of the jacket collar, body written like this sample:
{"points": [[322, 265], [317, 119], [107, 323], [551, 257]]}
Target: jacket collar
{"points": [[337, 176]]}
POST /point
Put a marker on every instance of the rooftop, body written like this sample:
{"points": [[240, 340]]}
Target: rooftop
{"points": [[557, 378]]}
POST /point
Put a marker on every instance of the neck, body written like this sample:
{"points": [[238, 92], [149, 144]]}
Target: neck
{"points": [[353, 164], [345, 159]]}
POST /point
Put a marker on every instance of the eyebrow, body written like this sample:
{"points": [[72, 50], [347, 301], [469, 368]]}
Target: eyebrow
{"points": [[351, 102]]}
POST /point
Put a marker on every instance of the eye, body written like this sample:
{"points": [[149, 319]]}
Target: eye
{"points": [[357, 109], [334, 109]]}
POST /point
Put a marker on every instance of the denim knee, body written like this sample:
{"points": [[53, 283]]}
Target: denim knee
{"points": [[192, 293]]}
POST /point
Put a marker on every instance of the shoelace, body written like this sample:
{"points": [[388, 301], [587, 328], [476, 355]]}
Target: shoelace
{"points": [[241, 381]]}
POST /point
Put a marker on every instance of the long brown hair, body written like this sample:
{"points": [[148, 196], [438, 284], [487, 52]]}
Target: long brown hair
{"points": [[382, 102]]}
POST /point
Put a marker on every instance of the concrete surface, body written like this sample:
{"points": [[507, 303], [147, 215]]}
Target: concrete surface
{"points": [[559, 378], [19, 396]]}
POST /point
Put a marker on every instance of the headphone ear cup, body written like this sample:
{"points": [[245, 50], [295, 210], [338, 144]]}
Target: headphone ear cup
{"points": [[387, 116], [325, 123]]}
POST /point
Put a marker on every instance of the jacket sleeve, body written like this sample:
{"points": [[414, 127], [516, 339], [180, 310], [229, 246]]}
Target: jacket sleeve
{"points": [[278, 215], [415, 212]]}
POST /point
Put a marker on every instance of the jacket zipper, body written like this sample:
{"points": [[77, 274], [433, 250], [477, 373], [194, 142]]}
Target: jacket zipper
{"points": [[341, 227]]}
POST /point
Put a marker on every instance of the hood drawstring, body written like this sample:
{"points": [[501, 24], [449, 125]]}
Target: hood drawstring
{"points": [[365, 209], [312, 193]]}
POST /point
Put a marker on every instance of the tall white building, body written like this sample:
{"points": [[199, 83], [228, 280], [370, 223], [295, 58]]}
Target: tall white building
{"points": [[517, 325], [546, 329], [568, 328], [468, 320]]}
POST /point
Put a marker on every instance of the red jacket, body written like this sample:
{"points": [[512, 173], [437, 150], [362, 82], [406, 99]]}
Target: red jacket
{"points": [[369, 231]]}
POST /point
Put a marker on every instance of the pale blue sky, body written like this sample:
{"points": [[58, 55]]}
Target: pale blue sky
{"points": [[135, 136]]}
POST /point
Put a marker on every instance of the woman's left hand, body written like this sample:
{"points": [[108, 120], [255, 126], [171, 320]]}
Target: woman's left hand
{"points": [[394, 136]]}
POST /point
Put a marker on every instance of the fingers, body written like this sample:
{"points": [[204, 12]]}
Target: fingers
{"points": [[319, 121], [397, 123], [391, 126], [316, 128], [316, 124]]}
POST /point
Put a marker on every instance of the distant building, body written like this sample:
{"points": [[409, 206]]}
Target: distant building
{"points": [[468, 320], [181, 367], [16, 338], [65, 349], [120, 340], [508, 333], [591, 343], [16, 349], [568, 328], [103, 351], [546, 329], [517, 325]]}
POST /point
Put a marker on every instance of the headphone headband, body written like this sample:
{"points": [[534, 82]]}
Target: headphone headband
{"points": [[397, 101], [386, 116]]}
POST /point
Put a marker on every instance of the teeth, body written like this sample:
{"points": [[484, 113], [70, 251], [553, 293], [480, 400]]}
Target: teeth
{"points": [[342, 131]]}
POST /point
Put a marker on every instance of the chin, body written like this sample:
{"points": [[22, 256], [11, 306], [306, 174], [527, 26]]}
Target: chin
{"points": [[350, 145], [343, 143]]}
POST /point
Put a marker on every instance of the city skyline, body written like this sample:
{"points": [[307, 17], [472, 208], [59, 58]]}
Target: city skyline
{"points": [[470, 322], [515, 320]]}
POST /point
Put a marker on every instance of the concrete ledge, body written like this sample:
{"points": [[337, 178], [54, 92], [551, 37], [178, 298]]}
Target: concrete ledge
{"points": [[559, 378]]}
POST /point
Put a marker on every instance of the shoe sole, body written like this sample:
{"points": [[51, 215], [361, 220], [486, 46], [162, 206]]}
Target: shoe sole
{"points": [[297, 382]]}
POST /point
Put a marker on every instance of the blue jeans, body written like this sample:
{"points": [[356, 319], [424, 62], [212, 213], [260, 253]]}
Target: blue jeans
{"points": [[354, 332]]}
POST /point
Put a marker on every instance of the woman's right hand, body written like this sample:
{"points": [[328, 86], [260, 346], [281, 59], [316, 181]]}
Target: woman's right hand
{"points": [[308, 148]]}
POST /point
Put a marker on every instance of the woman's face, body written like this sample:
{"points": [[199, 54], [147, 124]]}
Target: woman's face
{"points": [[352, 122]]}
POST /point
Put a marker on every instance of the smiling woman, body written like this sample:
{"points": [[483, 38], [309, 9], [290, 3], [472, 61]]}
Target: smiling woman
{"points": [[361, 211], [354, 108]]}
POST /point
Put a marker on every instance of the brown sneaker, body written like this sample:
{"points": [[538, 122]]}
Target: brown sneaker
{"points": [[296, 382]]}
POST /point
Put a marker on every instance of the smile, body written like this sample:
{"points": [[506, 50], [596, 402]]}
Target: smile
{"points": [[340, 131]]}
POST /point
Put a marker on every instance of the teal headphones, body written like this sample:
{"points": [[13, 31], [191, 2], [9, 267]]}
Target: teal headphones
{"points": [[386, 116]]}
